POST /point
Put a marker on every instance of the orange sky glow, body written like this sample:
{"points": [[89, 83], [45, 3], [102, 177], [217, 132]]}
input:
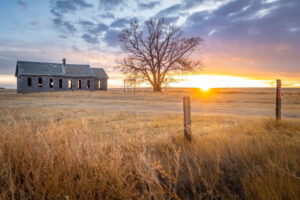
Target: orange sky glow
{"points": [[220, 71], [203, 81], [206, 82]]}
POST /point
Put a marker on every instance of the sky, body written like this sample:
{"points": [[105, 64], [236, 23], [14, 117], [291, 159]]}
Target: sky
{"points": [[251, 40]]}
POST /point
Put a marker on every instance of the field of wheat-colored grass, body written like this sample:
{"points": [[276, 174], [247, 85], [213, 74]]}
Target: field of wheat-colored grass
{"points": [[111, 145]]}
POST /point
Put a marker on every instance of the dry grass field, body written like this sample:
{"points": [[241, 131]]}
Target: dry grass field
{"points": [[115, 145]]}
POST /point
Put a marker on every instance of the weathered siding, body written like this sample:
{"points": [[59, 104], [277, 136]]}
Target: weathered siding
{"points": [[22, 85], [103, 84], [19, 89]]}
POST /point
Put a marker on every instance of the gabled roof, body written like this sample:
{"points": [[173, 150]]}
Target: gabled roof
{"points": [[53, 69], [100, 73]]}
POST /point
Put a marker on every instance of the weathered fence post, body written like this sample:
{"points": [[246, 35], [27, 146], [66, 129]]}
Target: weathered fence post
{"points": [[187, 118], [278, 100]]}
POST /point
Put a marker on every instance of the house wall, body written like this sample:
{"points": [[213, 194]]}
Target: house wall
{"points": [[19, 88], [103, 84], [22, 84]]}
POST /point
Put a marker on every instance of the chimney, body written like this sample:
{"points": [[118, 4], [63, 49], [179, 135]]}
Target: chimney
{"points": [[64, 69]]}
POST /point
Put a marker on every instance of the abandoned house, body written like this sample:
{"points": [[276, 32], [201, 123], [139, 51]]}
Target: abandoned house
{"points": [[47, 77]]}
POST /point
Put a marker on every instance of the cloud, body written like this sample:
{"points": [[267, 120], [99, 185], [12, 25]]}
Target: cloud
{"points": [[60, 7], [23, 4], [57, 21], [149, 5], [108, 15], [75, 48], [92, 31], [90, 39], [112, 38], [69, 27], [86, 23], [234, 30], [169, 11], [98, 29], [65, 24], [187, 5], [120, 23], [236, 22], [110, 4], [171, 19], [232, 7]]}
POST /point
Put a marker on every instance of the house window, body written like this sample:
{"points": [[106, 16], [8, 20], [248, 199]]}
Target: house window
{"points": [[70, 84], [40, 83], [79, 84], [29, 82], [88, 84], [51, 84], [99, 84], [60, 83]]}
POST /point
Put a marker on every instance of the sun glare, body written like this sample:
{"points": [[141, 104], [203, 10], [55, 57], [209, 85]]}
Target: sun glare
{"points": [[205, 82], [204, 88]]}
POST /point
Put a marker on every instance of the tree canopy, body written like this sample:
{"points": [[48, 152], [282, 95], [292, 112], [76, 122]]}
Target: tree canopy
{"points": [[157, 50]]}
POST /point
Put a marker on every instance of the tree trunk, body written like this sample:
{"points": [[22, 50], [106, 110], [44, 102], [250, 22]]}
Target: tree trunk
{"points": [[157, 88]]}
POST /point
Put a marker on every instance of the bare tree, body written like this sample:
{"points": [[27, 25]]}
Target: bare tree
{"points": [[157, 50]]}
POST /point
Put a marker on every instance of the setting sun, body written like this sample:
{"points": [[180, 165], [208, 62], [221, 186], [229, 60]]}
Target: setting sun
{"points": [[205, 88]]}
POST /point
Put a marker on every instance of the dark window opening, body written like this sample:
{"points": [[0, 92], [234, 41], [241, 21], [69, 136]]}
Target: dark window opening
{"points": [[70, 84], [88, 84], [29, 82], [79, 84], [60, 83], [51, 84], [40, 83]]}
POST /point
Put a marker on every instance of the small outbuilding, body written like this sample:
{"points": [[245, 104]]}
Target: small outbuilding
{"points": [[50, 77]]}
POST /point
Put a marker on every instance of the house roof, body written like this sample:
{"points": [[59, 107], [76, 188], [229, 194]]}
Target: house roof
{"points": [[100, 73], [54, 69]]}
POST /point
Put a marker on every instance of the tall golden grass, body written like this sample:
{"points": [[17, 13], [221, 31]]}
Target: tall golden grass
{"points": [[111, 145], [255, 159]]}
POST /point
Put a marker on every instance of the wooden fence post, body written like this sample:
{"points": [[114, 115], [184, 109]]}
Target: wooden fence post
{"points": [[187, 118], [278, 100]]}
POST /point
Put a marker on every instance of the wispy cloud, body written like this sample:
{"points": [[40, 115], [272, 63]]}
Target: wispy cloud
{"points": [[90, 39], [23, 4], [61, 7], [148, 5], [112, 37], [111, 4]]}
